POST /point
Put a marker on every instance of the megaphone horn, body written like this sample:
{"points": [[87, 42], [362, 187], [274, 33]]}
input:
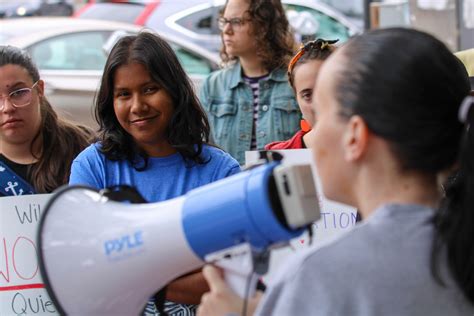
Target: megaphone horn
{"points": [[99, 256]]}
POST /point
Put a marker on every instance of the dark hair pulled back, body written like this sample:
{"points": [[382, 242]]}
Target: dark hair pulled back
{"points": [[408, 88]]}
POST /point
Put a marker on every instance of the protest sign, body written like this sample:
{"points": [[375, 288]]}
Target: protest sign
{"points": [[22, 290]]}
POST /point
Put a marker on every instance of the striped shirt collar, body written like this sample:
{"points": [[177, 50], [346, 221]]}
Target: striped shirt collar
{"points": [[237, 77]]}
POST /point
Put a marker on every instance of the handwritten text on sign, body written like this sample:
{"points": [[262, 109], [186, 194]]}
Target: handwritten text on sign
{"points": [[22, 291]]}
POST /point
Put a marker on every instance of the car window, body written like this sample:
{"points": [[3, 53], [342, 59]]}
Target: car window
{"points": [[326, 27], [121, 12], [192, 63], [80, 51], [202, 21]]}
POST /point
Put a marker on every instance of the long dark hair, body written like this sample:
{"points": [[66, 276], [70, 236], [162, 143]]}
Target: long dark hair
{"points": [[275, 42], [61, 140], [188, 129], [414, 106]]}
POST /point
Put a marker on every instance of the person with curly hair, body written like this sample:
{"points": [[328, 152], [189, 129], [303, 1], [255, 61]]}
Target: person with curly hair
{"points": [[154, 137], [250, 103]]}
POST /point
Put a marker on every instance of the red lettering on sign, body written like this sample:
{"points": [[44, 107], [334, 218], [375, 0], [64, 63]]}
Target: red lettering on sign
{"points": [[22, 270], [7, 277]]}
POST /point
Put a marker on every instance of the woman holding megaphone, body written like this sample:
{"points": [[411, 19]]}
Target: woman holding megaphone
{"points": [[397, 144]]}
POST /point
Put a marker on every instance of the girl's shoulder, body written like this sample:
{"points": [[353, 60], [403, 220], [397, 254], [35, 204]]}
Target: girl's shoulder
{"points": [[209, 151], [91, 152], [220, 161]]}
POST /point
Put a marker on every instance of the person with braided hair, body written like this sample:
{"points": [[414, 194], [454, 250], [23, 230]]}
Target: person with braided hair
{"points": [[303, 70]]}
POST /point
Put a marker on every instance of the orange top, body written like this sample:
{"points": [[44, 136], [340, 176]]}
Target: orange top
{"points": [[305, 127]]}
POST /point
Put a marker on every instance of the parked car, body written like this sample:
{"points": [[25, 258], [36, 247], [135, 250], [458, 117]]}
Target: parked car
{"points": [[22, 8], [71, 55], [196, 20]]}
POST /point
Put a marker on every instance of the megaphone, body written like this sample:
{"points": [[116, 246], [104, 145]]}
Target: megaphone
{"points": [[102, 257]]}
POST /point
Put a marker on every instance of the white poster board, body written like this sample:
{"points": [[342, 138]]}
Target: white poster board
{"points": [[336, 218], [22, 291]]}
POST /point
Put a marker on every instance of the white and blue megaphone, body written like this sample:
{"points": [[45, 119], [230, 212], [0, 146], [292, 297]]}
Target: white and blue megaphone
{"points": [[103, 257]]}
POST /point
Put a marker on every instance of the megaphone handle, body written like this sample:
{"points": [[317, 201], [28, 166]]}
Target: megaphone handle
{"points": [[242, 285], [240, 270]]}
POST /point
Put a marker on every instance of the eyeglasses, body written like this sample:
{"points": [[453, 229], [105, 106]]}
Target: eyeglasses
{"points": [[319, 44], [18, 98], [235, 23]]}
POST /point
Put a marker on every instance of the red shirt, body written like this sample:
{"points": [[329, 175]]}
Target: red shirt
{"points": [[296, 142]]}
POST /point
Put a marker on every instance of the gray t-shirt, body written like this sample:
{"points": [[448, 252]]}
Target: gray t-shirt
{"points": [[381, 267]]}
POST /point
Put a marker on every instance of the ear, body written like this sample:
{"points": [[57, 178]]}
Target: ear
{"points": [[40, 87], [355, 139]]}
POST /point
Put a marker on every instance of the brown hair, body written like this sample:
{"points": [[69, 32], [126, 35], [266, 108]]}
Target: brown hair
{"points": [[62, 142], [274, 37]]}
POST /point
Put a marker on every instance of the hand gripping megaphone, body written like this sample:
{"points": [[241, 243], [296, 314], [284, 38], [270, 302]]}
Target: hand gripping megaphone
{"points": [[102, 257]]}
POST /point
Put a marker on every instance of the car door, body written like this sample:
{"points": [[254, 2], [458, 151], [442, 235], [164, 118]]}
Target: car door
{"points": [[197, 67], [71, 65]]}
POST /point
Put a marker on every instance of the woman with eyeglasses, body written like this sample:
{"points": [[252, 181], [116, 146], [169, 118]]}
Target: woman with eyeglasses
{"points": [[36, 146], [303, 70], [250, 103], [386, 141]]}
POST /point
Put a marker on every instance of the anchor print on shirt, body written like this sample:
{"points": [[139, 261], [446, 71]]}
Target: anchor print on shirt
{"points": [[11, 187]]}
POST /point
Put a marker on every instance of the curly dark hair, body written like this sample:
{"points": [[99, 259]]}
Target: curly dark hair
{"points": [[274, 37], [188, 128]]}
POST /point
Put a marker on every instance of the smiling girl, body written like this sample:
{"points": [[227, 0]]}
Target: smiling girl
{"points": [[154, 137]]}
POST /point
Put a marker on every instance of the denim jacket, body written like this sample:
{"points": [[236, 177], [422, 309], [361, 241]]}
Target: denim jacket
{"points": [[228, 102]]}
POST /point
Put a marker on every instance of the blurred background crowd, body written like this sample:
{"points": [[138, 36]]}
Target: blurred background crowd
{"points": [[69, 39]]}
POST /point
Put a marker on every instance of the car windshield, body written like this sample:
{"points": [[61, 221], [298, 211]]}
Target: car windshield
{"points": [[123, 12]]}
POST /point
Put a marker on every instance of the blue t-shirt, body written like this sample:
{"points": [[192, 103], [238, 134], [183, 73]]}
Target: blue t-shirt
{"points": [[164, 178]]}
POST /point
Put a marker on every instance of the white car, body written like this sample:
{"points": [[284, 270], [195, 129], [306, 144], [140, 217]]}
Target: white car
{"points": [[196, 20], [71, 55]]}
